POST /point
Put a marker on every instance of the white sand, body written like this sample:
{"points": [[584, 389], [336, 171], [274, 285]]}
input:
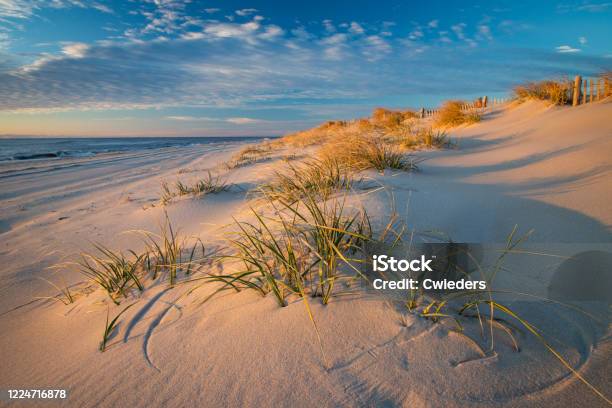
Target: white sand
{"points": [[538, 167]]}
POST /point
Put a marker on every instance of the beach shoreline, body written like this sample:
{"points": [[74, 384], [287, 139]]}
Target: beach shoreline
{"points": [[535, 166]]}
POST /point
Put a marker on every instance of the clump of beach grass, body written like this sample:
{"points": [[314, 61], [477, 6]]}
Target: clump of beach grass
{"points": [[554, 92], [113, 271], [390, 120], [209, 184], [315, 135], [361, 152], [167, 194], [425, 137], [249, 155], [333, 236], [300, 250], [168, 251], [319, 177], [452, 114]]}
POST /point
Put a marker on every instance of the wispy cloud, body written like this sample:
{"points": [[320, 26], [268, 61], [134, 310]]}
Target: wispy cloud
{"points": [[22, 9], [75, 50], [485, 31], [356, 28], [243, 121], [190, 118], [246, 11], [458, 30], [566, 49], [587, 6]]}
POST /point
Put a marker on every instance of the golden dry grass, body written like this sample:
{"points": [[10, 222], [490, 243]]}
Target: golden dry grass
{"points": [[555, 92], [452, 114]]}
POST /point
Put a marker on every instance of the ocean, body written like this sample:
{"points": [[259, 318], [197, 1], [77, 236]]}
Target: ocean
{"points": [[59, 148]]}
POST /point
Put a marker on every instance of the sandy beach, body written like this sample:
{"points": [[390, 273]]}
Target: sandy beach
{"points": [[529, 165]]}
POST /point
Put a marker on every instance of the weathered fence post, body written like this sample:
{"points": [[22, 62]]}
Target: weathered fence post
{"points": [[584, 92], [576, 96], [598, 86], [484, 101], [422, 113], [591, 94]]}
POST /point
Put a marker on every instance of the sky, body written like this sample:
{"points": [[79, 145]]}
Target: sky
{"points": [[222, 68]]}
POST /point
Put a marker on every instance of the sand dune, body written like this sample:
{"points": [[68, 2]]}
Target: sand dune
{"points": [[529, 165]]}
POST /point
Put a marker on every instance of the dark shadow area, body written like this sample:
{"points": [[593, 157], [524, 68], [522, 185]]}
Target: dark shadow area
{"points": [[586, 276]]}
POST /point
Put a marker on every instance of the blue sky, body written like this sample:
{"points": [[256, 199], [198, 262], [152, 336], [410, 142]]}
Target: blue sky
{"points": [[180, 68]]}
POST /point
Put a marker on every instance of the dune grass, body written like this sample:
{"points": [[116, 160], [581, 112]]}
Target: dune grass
{"points": [[109, 327], [249, 155], [333, 236], [379, 142], [209, 184], [361, 152], [167, 194], [169, 252], [390, 120], [452, 114], [112, 270], [64, 296], [165, 252], [320, 177], [299, 250], [555, 92]]}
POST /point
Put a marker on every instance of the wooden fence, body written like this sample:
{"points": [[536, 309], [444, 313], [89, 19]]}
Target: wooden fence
{"points": [[583, 90], [587, 90], [478, 105]]}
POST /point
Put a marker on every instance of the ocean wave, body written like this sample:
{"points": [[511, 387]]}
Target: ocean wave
{"points": [[49, 155]]}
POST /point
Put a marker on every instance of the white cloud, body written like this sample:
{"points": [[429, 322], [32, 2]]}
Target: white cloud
{"points": [[102, 7], [485, 32], [335, 45], [190, 118], [416, 34], [376, 47], [356, 28], [23, 9], [211, 10], [246, 11], [302, 34], [594, 7], [75, 50], [566, 49], [243, 121], [272, 31], [433, 24], [329, 26], [335, 39], [582, 40], [193, 36], [458, 30], [226, 30], [444, 37]]}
